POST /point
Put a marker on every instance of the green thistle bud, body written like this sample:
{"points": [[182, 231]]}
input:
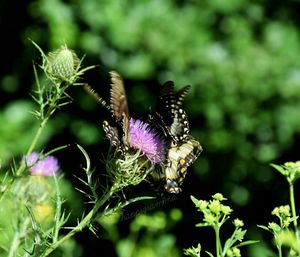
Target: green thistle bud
{"points": [[62, 65], [128, 170]]}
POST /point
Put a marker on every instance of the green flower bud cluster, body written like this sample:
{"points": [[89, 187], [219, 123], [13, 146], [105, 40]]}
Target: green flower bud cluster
{"points": [[214, 211], [284, 215], [215, 215], [234, 252]]}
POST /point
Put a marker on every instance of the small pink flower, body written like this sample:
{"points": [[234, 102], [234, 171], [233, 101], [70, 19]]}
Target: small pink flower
{"points": [[44, 167], [143, 138]]}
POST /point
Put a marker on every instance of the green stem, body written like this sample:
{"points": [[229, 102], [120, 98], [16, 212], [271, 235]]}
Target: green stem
{"points": [[85, 222], [17, 238], [218, 242], [279, 250], [292, 200], [32, 145], [58, 211]]}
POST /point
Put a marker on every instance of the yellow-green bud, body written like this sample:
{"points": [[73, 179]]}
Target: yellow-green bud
{"points": [[43, 212], [274, 226], [215, 206], [210, 219], [203, 205], [238, 223], [286, 223], [226, 209], [218, 196], [275, 211], [236, 252], [229, 253]]}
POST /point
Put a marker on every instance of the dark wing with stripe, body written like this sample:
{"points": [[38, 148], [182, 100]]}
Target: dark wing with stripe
{"points": [[173, 118]]}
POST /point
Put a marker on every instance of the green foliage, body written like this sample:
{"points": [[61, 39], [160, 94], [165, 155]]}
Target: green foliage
{"points": [[291, 170], [283, 233], [215, 215], [32, 211], [239, 56], [148, 236]]}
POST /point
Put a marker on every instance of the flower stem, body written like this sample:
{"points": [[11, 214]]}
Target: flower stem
{"points": [[81, 225], [17, 238], [279, 247], [218, 243], [292, 200], [32, 145]]}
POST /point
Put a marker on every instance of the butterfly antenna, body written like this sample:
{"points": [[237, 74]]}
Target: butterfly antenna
{"points": [[95, 95]]}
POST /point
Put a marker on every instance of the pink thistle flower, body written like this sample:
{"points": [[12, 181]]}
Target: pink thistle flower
{"points": [[143, 138], [44, 167]]}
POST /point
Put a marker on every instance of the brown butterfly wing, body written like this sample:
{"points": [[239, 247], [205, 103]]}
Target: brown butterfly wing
{"points": [[118, 102]]}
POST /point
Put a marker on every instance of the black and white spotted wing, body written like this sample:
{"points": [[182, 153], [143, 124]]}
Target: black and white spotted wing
{"points": [[183, 149]]}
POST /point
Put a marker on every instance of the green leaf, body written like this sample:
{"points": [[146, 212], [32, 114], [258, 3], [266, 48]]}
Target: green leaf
{"points": [[195, 201], [87, 158], [248, 242], [193, 251], [202, 225], [264, 227], [210, 254], [238, 235], [280, 168]]}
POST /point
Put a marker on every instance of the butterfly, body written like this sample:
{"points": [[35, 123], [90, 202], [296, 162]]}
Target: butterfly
{"points": [[170, 119], [183, 149], [119, 110]]}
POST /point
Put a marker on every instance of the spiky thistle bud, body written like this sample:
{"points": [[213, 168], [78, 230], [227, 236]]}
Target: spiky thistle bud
{"points": [[62, 65], [131, 169]]}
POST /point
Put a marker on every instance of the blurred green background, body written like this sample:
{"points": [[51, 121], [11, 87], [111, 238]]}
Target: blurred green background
{"points": [[241, 58]]}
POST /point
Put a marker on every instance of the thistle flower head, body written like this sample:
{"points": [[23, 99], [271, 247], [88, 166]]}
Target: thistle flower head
{"points": [[143, 138], [44, 167], [132, 169]]}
